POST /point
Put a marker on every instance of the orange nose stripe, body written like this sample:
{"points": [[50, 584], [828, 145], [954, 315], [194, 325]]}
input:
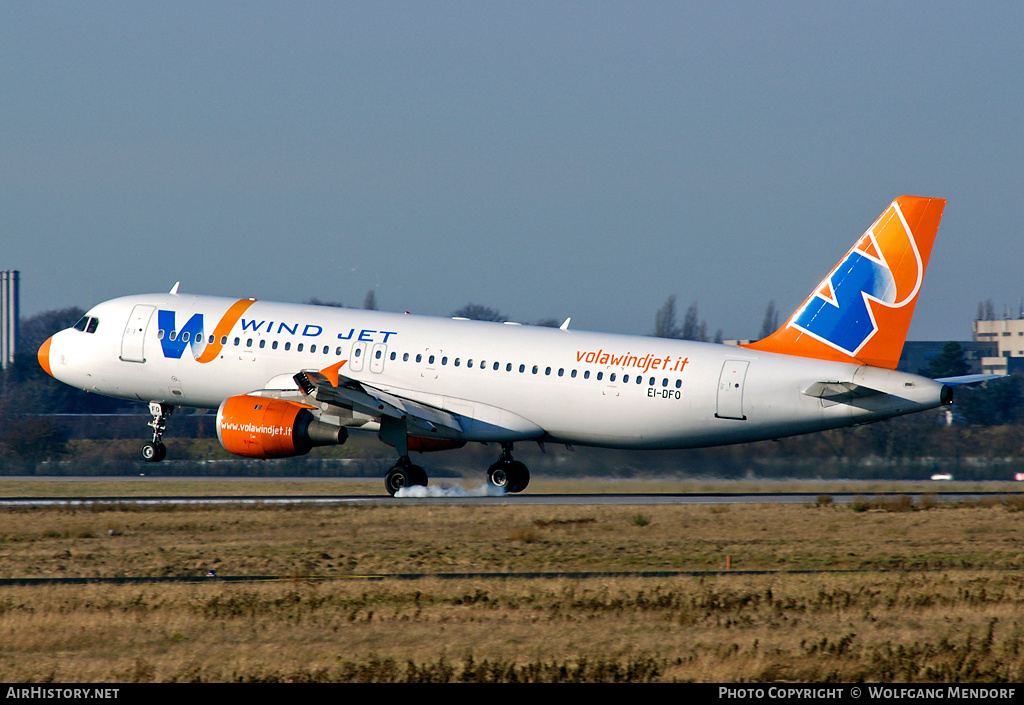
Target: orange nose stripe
{"points": [[44, 356]]}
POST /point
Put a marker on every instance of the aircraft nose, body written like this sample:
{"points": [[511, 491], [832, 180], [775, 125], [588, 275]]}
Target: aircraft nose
{"points": [[44, 356]]}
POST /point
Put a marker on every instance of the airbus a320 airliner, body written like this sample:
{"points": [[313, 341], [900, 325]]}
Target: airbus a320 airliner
{"points": [[286, 377]]}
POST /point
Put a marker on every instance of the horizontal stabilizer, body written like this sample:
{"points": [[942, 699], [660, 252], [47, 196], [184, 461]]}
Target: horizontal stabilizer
{"points": [[966, 379]]}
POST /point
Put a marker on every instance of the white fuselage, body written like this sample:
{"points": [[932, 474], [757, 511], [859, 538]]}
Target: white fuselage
{"points": [[507, 382]]}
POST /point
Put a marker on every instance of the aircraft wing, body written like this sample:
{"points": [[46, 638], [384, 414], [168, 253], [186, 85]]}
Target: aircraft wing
{"points": [[374, 402]]}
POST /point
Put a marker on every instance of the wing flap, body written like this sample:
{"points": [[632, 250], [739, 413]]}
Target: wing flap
{"points": [[374, 402]]}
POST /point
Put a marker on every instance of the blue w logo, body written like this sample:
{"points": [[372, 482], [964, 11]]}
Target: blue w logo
{"points": [[173, 341], [846, 323]]}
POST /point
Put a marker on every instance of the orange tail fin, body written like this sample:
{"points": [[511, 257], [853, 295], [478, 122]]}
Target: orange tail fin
{"points": [[861, 311]]}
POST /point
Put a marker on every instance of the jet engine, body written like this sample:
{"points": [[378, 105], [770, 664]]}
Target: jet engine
{"points": [[258, 427]]}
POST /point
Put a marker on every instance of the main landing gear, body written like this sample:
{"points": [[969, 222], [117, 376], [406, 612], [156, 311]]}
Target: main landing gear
{"points": [[508, 475], [404, 474], [155, 450]]}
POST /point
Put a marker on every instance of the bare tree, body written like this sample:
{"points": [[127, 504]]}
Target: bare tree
{"points": [[692, 329], [478, 312], [771, 320], [986, 310], [691, 324], [665, 320], [370, 302]]}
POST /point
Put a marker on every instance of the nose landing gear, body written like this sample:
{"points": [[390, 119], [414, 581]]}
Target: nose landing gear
{"points": [[154, 451]]}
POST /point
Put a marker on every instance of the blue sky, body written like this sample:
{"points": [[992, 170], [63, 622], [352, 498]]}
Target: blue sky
{"points": [[549, 159]]}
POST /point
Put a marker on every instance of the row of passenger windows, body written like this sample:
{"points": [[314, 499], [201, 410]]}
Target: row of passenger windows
{"points": [[535, 369], [456, 362]]}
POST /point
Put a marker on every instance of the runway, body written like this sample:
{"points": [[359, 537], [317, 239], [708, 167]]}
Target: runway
{"points": [[453, 497]]}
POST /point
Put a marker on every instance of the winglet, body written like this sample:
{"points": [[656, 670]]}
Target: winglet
{"points": [[861, 311]]}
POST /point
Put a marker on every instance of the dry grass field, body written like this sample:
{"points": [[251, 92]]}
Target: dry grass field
{"points": [[900, 592]]}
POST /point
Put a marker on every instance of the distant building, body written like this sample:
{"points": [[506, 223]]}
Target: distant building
{"points": [[9, 313], [917, 354], [1007, 335]]}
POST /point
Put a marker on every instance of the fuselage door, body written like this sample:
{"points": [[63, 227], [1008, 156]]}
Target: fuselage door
{"points": [[132, 343], [730, 389]]}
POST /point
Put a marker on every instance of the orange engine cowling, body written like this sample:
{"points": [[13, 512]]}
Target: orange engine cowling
{"points": [[258, 427]]}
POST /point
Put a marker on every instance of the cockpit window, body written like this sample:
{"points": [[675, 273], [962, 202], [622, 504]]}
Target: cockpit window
{"points": [[87, 324]]}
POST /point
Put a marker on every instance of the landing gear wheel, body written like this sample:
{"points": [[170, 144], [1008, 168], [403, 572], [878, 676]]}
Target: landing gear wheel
{"points": [[404, 476], [520, 476], [509, 475], [419, 475], [153, 452]]}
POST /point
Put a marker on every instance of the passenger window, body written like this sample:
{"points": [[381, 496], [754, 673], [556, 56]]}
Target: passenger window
{"points": [[394, 355], [611, 377], [248, 343], [263, 343], [210, 341], [495, 366], [625, 379], [456, 362], [173, 335], [561, 371], [547, 370], [522, 368], [298, 348], [312, 348], [469, 363], [679, 383], [274, 345], [664, 382], [586, 374], [430, 360], [652, 381], [237, 341], [159, 333], [287, 346], [535, 369], [573, 374], [600, 376], [223, 340]]}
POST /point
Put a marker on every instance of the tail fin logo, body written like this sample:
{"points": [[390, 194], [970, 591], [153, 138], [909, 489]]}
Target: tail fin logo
{"points": [[884, 267], [861, 311]]}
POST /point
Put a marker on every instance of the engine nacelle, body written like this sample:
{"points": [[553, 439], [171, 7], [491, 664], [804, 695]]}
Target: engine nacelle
{"points": [[258, 427]]}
